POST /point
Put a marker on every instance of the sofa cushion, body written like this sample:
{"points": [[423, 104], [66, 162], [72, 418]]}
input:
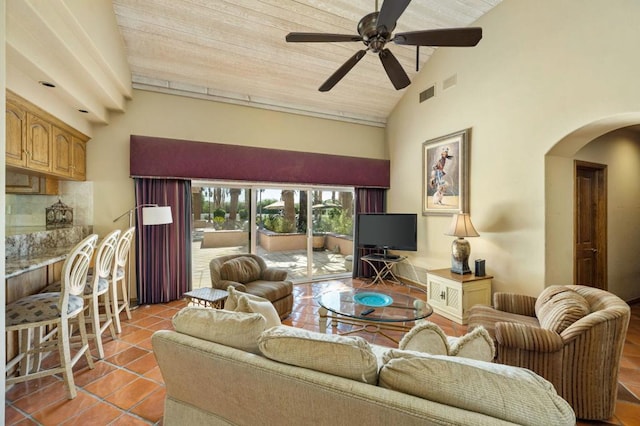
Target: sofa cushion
{"points": [[426, 337], [349, 357], [235, 329], [262, 307], [241, 269], [476, 344], [505, 392], [558, 307]]}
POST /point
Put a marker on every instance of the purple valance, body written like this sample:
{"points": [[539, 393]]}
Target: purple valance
{"points": [[162, 157]]}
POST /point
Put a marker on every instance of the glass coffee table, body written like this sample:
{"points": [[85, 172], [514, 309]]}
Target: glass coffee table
{"points": [[374, 311]]}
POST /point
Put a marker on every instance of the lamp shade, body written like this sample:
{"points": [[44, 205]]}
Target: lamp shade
{"points": [[156, 215], [461, 226]]}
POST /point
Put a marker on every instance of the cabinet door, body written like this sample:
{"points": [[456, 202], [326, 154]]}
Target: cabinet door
{"points": [[79, 162], [39, 135], [62, 152], [16, 126]]}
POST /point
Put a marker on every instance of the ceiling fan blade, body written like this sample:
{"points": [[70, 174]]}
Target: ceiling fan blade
{"points": [[394, 70], [389, 14], [342, 71], [460, 37], [320, 37]]}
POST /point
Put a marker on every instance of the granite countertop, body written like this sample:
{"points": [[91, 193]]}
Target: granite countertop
{"points": [[30, 248], [19, 265]]}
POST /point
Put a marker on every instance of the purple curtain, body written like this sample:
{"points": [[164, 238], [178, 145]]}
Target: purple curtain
{"points": [[368, 200], [163, 252]]}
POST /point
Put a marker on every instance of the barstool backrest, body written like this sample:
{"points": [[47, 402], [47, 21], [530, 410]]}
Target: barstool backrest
{"points": [[104, 258], [75, 269], [122, 250]]}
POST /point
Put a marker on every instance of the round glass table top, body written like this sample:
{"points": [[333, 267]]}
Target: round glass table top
{"points": [[379, 305]]}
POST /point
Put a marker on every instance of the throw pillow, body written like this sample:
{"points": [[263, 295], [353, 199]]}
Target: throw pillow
{"points": [[235, 329], [475, 345], [231, 302], [426, 337], [243, 269], [262, 307], [560, 307], [348, 357], [510, 393]]}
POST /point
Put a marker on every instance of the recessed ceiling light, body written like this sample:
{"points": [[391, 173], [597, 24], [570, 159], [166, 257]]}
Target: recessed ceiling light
{"points": [[84, 111], [47, 83]]}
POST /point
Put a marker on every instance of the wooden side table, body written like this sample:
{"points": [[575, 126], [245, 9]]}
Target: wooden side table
{"points": [[207, 297], [451, 295]]}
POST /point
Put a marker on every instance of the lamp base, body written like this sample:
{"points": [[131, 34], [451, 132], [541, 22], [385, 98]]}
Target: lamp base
{"points": [[460, 251]]}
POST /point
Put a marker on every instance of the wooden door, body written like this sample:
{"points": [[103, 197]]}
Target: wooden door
{"points": [[590, 225]]}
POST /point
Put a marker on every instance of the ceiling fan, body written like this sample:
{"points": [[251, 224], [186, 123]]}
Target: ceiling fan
{"points": [[375, 31]]}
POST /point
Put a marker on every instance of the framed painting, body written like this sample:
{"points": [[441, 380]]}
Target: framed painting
{"points": [[445, 174]]}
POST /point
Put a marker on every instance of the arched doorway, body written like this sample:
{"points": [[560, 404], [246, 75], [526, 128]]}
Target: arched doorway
{"points": [[614, 141]]}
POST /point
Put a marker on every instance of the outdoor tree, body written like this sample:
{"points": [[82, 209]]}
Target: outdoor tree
{"points": [[289, 211], [233, 205]]}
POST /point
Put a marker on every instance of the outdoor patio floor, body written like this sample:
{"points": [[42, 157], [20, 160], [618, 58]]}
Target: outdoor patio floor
{"points": [[326, 263]]}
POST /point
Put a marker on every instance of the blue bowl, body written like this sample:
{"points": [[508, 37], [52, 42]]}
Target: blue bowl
{"points": [[376, 300]]}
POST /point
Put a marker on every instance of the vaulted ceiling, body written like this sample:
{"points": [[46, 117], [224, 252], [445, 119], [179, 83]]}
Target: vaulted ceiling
{"points": [[235, 51]]}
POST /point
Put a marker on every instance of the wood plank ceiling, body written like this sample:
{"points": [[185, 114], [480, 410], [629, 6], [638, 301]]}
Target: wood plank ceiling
{"points": [[236, 51]]}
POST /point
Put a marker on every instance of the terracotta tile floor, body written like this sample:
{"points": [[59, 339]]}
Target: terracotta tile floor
{"points": [[126, 388]]}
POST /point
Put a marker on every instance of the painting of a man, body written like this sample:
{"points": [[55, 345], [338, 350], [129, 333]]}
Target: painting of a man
{"points": [[442, 162]]}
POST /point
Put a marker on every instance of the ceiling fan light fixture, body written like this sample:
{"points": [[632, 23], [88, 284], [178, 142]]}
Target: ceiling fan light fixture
{"points": [[375, 32]]}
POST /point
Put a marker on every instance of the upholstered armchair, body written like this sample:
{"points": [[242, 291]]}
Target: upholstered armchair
{"points": [[571, 335], [249, 273]]}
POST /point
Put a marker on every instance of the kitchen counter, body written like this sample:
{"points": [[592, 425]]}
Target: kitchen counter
{"points": [[19, 265], [29, 249]]}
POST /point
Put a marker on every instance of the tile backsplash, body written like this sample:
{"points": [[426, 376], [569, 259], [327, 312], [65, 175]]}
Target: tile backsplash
{"points": [[29, 210]]}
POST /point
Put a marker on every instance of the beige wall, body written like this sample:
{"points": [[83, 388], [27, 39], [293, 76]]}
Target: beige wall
{"points": [[542, 71], [2, 179], [155, 114]]}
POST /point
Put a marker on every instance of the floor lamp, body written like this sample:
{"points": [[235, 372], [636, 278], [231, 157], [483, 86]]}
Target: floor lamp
{"points": [[152, 214]]}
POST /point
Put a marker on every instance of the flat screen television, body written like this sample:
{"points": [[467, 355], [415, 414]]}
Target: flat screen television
{"points": [[388, 231]]}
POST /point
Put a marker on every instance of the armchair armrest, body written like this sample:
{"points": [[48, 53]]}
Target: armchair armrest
{"points": [[527, 337], [515, 303], [274, 274], [224, 284]]}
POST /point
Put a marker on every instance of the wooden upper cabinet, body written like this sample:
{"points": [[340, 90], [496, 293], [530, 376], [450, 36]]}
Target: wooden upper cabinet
{"points": [[40, 144], [16, 125], [79, 159], [62, 152]]}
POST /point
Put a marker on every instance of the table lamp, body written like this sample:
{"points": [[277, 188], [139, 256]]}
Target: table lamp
{"points": [[461, 227]]}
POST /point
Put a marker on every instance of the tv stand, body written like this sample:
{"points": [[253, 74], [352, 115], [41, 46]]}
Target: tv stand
{"points": [[382, 265], [386, 255]]}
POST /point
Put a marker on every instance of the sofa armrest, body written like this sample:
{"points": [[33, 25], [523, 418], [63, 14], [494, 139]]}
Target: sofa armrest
{"points": [[527, 337], [515, 303], [274, 274]]}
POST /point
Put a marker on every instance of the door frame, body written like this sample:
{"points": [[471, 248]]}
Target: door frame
{"points": [[600, 171]]}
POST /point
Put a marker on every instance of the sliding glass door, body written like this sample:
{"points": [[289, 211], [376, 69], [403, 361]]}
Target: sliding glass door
{"points": [[307, 231]]}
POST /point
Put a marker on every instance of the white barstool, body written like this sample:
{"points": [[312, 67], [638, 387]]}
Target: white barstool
{"points": [[119, 277], [32, 314]]}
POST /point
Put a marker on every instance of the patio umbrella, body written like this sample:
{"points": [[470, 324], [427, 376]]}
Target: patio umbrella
{"points": [[278, 205]]}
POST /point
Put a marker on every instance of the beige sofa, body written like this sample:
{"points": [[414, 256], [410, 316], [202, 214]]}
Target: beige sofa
{"points": [[275, 377]]}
